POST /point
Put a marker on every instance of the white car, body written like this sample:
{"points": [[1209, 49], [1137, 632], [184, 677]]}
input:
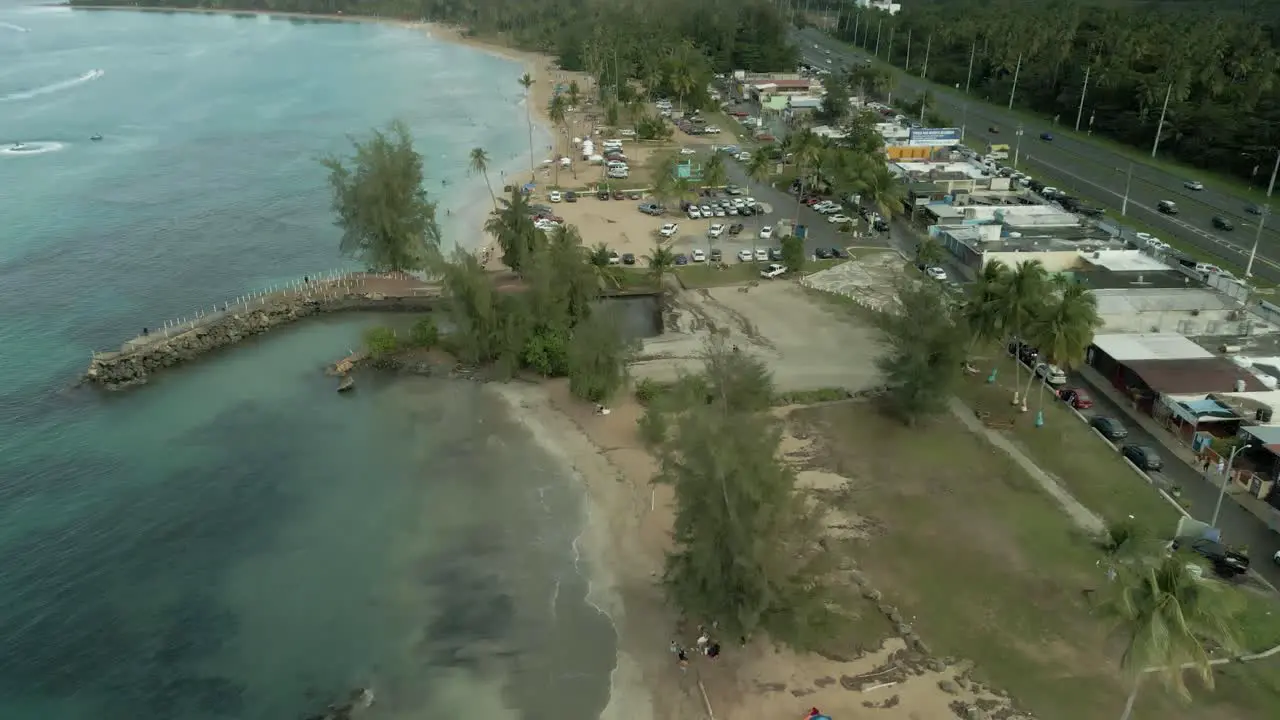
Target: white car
{"points": [[694, 212], [935, 273], [715, 231], [766, 232], [555, 196], [711, 129], [744, 255], [720, 211], [688, 151], [739, 202], [1052, 374], [1193, 185], [698, 256], [707, 211], [1048, 191], [743, 156], [668, 230], [761, 254], [840, 219], [773, 271]]}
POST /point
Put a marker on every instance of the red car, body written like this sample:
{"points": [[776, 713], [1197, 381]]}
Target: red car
{"points": [[1076, 398]]}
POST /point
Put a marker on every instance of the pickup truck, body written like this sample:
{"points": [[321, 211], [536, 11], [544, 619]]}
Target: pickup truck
{"points": [[1226, 562]]}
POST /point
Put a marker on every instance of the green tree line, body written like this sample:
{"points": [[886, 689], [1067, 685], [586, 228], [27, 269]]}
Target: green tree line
{"points": [[669, 46], [1218, 66]]}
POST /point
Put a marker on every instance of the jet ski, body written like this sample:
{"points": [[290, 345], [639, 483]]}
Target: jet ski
{"points": [[96, 137]]}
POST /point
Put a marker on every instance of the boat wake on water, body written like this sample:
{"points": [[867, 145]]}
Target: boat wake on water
{"points": [[53, 87], [31, 148], [11, 26]]}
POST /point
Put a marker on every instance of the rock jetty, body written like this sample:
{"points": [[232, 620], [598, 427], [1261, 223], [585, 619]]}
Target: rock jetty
{"points": [[138, 359]]}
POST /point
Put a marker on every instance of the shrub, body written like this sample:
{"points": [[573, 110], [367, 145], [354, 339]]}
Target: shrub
{"points": [[424, 333], [381, 342]]}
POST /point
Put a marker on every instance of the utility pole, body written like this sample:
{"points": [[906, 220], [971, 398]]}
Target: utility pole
{"points": [[972, 51], [1016, 71], [907, 65], [878, 24], [866, 33], [1017, 146], [964, 120], [888, 56], [924, 100], [1124, 204], [924, 69], [1085, 89], [856, 23], [1257, 237], [1262, 218], [1160, 126]]}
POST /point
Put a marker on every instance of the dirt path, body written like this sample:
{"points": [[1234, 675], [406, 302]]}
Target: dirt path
{"points": [[1079, 514]]}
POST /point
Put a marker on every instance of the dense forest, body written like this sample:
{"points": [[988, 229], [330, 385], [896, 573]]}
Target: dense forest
{"points": [[613, 39], [1218, 64]]}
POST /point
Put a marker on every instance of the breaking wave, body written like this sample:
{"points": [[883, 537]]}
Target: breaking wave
{"points": [[31, 148], [11, 26], [53, 87]]}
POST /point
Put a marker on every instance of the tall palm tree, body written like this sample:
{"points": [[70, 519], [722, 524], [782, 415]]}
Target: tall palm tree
{"points": [[660, 261], [557, 112], [526, 82], [806, 149], [714, 173], [880, 188], [1063, 328], [1165, 615], [981, 310], [1020, 298], [480, 163], [607, 274], [759, 168]]}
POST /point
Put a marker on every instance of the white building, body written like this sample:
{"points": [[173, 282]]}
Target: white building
{"points": [[892, 8]]}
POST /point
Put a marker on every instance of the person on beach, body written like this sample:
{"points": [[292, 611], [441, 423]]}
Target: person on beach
{"points": [[713, 650], [683, 658]]}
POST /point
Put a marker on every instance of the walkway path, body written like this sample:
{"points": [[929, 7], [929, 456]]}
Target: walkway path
{"points": [[1079, 514]]}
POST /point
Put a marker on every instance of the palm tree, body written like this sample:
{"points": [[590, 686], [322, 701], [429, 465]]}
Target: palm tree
{"points": [[759, 168], [557, 113], [1021, 296], [1165, 614], [607, 274], [661, 260], [526, 82], [1063, 328], [714, 174], [806, 149], [981, 310], [480, 163], [880, 188]]}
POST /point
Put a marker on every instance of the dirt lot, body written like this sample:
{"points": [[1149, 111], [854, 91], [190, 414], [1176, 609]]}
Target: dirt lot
{"points": [[775, 320]]}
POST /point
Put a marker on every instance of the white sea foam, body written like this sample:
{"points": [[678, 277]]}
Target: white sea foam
{"points": [[11, 26], [31, 148], [54, 87]]}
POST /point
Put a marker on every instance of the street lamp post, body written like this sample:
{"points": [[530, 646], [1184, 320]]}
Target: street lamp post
{"points": [[964, 119], [1085, 89], [1160, 126], [1128, 182], [907, 65], [924, 69], [1222, 490], [1257, 237], [878, 24], [856, 23], [969, 76], [1017, 70], [1017, 146]]}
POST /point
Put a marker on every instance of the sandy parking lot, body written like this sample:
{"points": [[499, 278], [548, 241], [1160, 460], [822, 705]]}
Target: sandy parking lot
{"points": [[775, 320]]}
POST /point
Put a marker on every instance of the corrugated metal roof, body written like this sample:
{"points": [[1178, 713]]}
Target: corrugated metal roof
{"points": [[1129, 347], [1193, 375]]}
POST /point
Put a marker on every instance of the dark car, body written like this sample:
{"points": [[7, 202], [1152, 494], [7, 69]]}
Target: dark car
{"points": [[1168, 207], [735, 228], [1253, 209], [1109, 428], [1142, 456], [571, 196], [881, 224], [993, 130], [628, 258], [1076, 398], [1035, 185], [602, 195], [1026, 354], [716, 255], [1222, 223], [775, 253], [823, 254], [838, 253], [619, 195], [1047, 137], [682, 259], [1226, 562]]}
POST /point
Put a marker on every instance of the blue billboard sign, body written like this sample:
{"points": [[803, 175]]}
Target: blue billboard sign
{"points": [[934, 136]]}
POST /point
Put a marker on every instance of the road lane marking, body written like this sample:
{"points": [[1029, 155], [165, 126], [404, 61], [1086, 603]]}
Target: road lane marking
{"points": [[1239, 250]]}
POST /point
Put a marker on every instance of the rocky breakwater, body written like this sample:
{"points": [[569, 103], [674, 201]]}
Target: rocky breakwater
{"points": [[140, 358]]}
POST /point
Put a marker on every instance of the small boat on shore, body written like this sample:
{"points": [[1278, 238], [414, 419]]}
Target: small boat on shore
{"points": [[347, 383]]}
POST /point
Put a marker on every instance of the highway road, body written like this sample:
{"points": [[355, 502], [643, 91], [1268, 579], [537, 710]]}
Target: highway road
{"points": [[1094, 173]]}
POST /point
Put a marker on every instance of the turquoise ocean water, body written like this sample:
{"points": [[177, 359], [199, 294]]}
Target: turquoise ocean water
{"points": [[235, 540]]}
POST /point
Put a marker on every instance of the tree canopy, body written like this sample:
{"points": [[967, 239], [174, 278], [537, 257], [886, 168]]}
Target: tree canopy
{"points": [[1219, 63], [388, 222]]}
